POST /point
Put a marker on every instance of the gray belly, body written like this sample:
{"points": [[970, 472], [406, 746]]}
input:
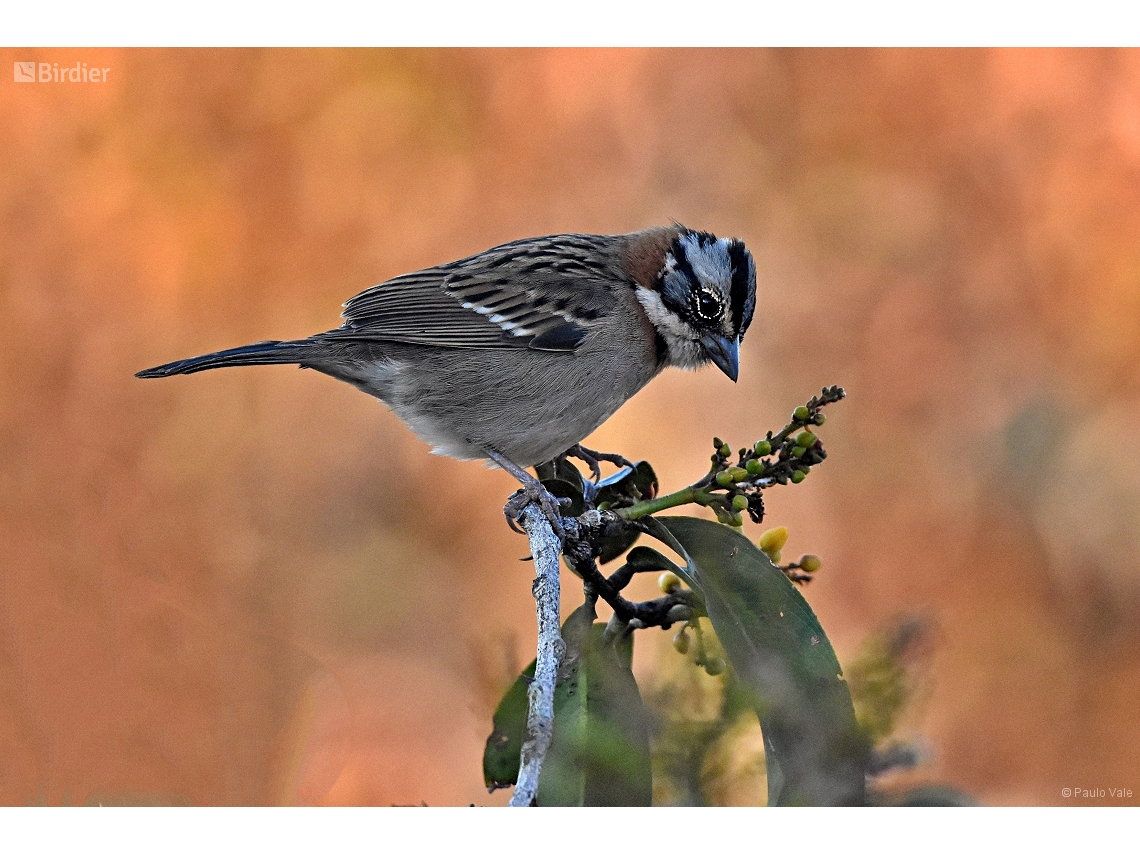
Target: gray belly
{"points": [[530, 406]]}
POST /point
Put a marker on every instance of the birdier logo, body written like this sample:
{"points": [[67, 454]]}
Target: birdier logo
{"points": [[51, 72]]}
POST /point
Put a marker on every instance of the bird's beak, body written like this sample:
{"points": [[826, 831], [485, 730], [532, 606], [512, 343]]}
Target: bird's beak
{"points": [[724, 353]]}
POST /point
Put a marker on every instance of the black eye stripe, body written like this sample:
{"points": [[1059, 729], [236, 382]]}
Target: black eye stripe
{"points": [[683, 265], [738, 256]]}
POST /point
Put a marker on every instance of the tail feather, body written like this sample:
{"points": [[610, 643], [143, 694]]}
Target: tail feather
{"points": [[262, 353]]}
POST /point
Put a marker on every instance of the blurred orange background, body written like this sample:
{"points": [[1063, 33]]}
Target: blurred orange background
{"points": [[257, 587]]}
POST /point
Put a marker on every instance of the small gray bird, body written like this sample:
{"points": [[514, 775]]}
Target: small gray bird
{"points": [[519, 352]]}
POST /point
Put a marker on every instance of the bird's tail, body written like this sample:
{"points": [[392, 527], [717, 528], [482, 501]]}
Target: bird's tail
{"points": [[262, 353]]}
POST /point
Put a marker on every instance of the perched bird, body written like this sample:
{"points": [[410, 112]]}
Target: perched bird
{"points": [[519, 352]]}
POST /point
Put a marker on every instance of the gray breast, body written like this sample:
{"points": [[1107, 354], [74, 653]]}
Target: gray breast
{"points": [[528, 405]]}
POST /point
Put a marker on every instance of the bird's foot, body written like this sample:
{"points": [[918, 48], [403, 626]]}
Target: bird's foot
{"points": [[593, 458], [532, 492]]}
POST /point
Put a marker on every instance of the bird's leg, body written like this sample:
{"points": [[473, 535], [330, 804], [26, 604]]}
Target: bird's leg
{"points": [[532, 491], [582, 454], [593, 457]]}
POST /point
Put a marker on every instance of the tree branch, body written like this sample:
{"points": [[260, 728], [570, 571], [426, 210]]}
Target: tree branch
{"points": [[677, 606], [545, 547], [732, 489]]}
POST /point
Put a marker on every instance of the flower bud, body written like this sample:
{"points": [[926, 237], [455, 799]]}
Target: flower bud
{"points": [[762, 448], [725, 451], [820, 418], [806, 439], [810, 563], [798, 476], [801, 414], [740, 502], [715, 666], [724, 478], [737, 473], [754, 466], [668, 582], [798, 451]]}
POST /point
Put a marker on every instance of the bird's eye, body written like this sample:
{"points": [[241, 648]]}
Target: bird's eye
{"points": [[708, 306]]}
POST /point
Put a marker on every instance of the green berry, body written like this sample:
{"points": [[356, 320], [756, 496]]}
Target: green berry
{"points": [[797, 476], [668, 582], [715, 666], [762, 448], [754, 466], [806, 439], [810, 563], [724, 478], [798, 451], [773, 540], [681, 642], [737, 473], [740, 502], [801, 414]]}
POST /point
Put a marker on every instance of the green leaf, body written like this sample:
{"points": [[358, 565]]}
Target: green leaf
{"points": [[627, 486], [502, 754], [815, 750], [600, 755], [562, 470], [623, 489], [614, 545], [501, 757], [564, 481], [647, 560]]}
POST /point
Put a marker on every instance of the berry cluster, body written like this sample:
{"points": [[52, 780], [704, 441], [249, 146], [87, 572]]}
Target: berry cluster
{"points": [[777, 459]]}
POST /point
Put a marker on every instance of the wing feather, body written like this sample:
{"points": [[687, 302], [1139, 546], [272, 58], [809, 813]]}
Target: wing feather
{"points": [[543, 293]]}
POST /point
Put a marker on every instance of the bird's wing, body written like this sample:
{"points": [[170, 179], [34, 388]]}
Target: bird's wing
{"points": [[542, 293]]}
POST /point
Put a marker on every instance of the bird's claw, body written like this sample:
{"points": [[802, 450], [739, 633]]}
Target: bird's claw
{"points": [[592, 459], [535, 493]]}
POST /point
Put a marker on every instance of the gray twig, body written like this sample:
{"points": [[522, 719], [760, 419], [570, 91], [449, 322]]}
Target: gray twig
{"points": [[545, 547]]}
